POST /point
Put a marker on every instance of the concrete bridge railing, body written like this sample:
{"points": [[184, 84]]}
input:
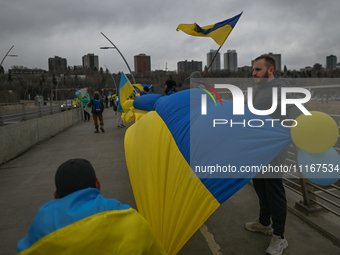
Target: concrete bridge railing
{"points": [[19, 137]]}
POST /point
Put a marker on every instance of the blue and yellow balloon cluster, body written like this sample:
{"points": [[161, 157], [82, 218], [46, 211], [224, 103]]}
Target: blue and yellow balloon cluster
{"points": [[77, 100], [315, 135]]}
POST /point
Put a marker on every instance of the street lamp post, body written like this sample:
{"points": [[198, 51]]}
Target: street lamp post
{"points": [[56, 92], [114, 47], [1, 67]]}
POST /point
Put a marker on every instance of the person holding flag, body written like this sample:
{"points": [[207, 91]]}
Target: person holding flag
{"points": [[85, 100]]}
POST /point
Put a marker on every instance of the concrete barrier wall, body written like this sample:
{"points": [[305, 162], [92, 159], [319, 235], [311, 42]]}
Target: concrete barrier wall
{"points": [[17, 138]]}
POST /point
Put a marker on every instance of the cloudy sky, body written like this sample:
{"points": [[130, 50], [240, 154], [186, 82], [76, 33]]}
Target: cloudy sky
{"points": [[304, 32]]}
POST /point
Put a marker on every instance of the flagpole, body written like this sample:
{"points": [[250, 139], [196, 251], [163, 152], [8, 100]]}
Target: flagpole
{"points": [[212, 61]]}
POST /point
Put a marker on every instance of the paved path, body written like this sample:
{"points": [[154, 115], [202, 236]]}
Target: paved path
{"points": [[27, 182]]}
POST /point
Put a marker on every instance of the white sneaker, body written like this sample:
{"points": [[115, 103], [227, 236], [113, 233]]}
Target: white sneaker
{"points": [[256, 226], [277, 245]]}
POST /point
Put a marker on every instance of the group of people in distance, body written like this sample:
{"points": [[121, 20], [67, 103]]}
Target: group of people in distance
{"points": [[78, 200], [97, 112]]}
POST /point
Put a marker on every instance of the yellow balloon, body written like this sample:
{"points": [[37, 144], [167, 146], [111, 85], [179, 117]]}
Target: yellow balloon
{"points": [[315, 133]]}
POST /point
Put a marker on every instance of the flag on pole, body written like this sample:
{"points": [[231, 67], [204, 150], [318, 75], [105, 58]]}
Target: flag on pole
{"points": [[219, 32], [125, 91]]}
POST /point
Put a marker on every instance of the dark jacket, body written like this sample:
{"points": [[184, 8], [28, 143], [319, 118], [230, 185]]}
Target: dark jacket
{"points": [[263, 99]]}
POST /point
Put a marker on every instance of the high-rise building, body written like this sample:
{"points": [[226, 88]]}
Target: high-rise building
{"points": [[277, 58], [317, 67], [331, 62], [230, 60], [90, 61], [57, 64], [142, 63], [186, 65], [216, 65]]}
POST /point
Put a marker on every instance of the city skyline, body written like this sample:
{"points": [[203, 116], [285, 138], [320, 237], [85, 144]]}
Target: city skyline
{"points": [[303, 32], [181, 65]]}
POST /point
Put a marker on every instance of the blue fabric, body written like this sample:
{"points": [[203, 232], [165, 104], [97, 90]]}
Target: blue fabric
{"points": [[170, 92], [59, 213], [231, 22], [204, 145], [146, 102]]}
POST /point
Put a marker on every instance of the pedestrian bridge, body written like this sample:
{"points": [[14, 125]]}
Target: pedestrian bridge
{"points": [[27, 182]]}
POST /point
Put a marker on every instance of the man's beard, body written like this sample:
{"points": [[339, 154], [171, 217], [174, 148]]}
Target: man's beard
{"points": [[262, 80]]}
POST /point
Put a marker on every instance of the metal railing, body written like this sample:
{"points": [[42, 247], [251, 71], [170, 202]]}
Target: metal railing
{"points": [[312, 198], [24, 112]]}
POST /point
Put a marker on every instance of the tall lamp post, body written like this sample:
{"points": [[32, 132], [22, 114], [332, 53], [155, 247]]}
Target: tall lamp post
{"points": [[2, 70], [114, 47]]}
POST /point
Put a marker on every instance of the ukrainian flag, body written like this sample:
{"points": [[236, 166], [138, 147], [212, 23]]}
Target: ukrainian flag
{"points": [[125, 91], [219, 31], [174, 198], [86, 223]]}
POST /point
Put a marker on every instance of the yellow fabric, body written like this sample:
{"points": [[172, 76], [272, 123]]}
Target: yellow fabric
{"points": [[123, 232], [130, 113], [128, 116], [125, 92], [139, 114], [173, 203], [127, 105], [139, 86], [112, 96], [219, 35]]}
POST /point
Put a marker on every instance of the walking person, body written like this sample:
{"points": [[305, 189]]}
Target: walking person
{"points": [[97, 108], [85, 100]]}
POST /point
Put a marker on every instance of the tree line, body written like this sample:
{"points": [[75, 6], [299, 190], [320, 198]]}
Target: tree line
{"points": [[16, 87]]}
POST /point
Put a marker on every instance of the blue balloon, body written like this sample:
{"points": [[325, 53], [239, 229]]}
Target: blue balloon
{"points": [[77, 93], [320, 168]]}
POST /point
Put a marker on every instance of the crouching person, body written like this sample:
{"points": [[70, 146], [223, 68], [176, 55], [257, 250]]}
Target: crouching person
{"points": [[81, 221]]}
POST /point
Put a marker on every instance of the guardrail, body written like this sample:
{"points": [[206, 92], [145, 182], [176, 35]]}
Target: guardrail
{"points": [[21, 112], [312, 198], [18, 137]]}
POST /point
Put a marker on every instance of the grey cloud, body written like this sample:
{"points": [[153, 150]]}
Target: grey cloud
{"points": [[304, 32]]}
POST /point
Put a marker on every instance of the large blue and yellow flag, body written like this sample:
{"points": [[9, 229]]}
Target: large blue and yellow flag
{"points": [[173, 188], [86, 223], [219, 31]]}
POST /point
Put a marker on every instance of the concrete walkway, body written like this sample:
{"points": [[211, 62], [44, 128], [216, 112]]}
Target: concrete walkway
{"points": [[27, 182]]}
